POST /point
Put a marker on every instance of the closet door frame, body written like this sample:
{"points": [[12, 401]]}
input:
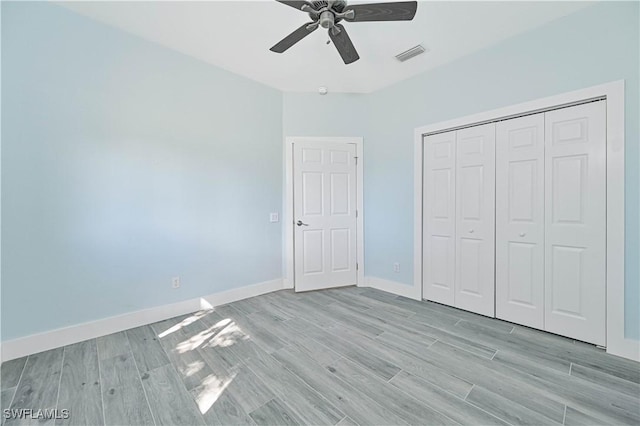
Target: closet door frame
{"points": [[614, 93]]}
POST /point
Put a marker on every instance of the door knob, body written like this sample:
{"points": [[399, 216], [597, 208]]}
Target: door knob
{"points": [[522, 234], [471, 231], [300, 223]]}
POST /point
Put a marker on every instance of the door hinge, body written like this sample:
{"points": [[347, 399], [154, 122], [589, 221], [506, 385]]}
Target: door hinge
{"points": [[356, 160], [356, 213], [356, 266]]}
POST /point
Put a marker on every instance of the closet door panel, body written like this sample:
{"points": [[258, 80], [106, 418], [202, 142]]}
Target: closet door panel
{"points": [[575, 222], [439, 217], [520, 220], [475, 214]]}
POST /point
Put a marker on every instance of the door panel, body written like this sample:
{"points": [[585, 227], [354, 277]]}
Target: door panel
{"points": [[520, 220], [325, 202], [475, 219], [575, 222], [439, 218]]}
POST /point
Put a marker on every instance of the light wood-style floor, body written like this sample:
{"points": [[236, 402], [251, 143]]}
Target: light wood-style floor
{"points": [[344, 356]]}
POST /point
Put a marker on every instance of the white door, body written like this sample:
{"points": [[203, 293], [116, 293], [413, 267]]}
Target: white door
{"points": [[324, 185], [439, 217], [520, 220], [575, 222], [475, 219]]}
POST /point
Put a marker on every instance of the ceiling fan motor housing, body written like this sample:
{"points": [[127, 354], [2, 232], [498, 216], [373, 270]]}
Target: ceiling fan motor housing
{"points": [[326, 19]]}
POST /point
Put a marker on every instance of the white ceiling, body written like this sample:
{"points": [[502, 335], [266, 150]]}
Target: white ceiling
{"points": [[237, 35]]}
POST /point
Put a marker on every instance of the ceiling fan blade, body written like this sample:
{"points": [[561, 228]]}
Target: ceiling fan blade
{"points": [[294, 37], [397, 11], [297, 4], [343, 43]]}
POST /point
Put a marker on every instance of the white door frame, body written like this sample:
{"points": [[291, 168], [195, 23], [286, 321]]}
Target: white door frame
{"points": [[613, 92], [288, 219]]}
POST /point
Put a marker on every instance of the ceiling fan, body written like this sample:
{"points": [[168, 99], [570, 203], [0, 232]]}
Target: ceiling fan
{"points": [[328, 14]]}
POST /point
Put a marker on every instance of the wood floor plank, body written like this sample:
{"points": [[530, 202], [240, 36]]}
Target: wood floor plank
{"points": [[80, 389], [586, 396], [513, 343], [506, 409], [409, 343], [575, 417], [274, 325], [429, 326], [247, 306], [316, 351], [220, 409], [308, 404], [258, 332], [169, 400], [113, 345], [146, 349], [6, 395], [579, 353], [296, 310], [383, 303], [348, 318], [11, 371], [319, 296], [606, 380], [381, 296], [249, 390], [38, 386], [351, 300], [482, 372], [402, 404], [347, 421], [417, 364], [345, 397], [448, 404], [275, 311], [122, 392], [275, 412], [349, 344], [493, 323], [182, 346], [224, 343]]}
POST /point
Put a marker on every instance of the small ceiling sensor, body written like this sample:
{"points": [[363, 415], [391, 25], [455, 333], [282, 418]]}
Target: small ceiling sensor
{"points": [[323, 90]]}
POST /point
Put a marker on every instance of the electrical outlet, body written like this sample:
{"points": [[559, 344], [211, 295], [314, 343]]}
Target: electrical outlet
{"points": [[175, 282], [273, 217], [396, 267]]}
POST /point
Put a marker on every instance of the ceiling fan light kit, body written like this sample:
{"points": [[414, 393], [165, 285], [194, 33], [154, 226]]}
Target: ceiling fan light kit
{"points": [[329, 13]]}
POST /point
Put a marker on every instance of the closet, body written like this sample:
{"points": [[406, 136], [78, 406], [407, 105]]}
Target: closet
{"points": [[515, 220]]}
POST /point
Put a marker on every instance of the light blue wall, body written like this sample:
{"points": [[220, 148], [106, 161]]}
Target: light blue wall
{"points": [[125, 164], [335, 114], [593, 46]]}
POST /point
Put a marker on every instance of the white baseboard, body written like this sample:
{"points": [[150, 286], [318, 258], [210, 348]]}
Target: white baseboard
{"points": [[626, 348], [394, 287], [35, 343]]}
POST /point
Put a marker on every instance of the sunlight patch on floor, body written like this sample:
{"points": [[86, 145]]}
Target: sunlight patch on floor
{"points": [[210, 390], [185, 322]]}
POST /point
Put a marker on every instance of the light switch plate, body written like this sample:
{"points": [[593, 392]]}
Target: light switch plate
{"points": [[273, 217]]}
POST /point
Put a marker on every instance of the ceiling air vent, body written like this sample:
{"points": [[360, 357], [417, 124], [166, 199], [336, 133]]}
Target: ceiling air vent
{"points": [[408, 54]]}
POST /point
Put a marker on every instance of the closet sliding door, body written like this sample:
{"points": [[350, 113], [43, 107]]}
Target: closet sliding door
{"points": [[475, 219], [439, 217], [520, 220]]}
